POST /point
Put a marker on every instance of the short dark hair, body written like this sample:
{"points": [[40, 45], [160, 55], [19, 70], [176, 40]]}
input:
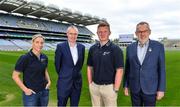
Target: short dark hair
{"points": [[104, 24]]}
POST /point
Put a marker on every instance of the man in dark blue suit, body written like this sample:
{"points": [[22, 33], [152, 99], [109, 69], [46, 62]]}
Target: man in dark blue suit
{"points": [[145, 69], [69, 59]]}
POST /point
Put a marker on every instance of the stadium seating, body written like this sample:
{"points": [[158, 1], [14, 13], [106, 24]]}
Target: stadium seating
{"points": [[23, 22], [7, 45], [16, 30], [22, 44]]}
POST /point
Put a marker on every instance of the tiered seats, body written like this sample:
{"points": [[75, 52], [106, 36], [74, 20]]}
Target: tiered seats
{"points": [[23, 22], [17, 30], [8, 46], [22, 44]]}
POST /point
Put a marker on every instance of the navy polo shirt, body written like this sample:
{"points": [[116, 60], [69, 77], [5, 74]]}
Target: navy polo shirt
{"points": [[105, 60], [33, 70]]}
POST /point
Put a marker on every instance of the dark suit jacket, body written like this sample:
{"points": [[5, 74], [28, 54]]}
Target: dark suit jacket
{"points": [[150, 76], [68, 73]]}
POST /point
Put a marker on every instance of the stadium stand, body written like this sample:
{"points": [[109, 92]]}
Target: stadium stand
{"points": [[20, 19], [171, 43], [7, 45], [21, 43], [125, 39]]}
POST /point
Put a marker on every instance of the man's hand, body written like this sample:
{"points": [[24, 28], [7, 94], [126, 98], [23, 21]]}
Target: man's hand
{"points": [[126, 91], [160, 95], [48, 85]]}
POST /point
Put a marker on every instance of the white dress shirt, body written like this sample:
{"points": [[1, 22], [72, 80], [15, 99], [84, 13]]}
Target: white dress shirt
{"points": [[141, 51], [74, 53]]}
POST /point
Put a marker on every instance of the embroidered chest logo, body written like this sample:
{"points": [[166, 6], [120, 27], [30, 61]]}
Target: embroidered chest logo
{"points": [[106, 53], [42, 60]]}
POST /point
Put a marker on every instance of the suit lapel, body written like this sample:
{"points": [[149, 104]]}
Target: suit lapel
{"points": [[69, 52], [149, 49]]}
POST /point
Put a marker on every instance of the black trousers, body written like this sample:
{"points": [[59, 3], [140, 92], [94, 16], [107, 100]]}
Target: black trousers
{"points": [[142, 99]]}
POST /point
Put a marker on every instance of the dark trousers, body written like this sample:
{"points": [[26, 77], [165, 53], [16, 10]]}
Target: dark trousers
{"points": [[74, 98], [142, 99]]}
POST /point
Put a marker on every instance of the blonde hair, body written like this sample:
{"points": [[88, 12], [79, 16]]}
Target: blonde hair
{"points": [[37, 36]]}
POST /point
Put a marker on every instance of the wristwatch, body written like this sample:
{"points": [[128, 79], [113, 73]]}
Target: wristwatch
{"points": [[116, 90]]}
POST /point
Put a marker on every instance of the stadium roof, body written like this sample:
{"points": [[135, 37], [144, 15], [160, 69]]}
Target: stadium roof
{"points": [[51, 12]]}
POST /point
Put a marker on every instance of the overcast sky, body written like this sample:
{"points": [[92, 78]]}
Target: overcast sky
{"points": [[123, 15]]}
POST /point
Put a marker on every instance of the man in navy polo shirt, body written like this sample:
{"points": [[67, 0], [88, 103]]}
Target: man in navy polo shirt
{"points": [[36, 80], [105, 69]]}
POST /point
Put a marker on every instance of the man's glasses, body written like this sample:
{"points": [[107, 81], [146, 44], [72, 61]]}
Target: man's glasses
{"points": [[140, 32]]}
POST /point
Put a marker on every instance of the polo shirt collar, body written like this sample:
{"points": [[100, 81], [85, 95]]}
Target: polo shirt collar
{"points": [[33, 55], [107, 44]]}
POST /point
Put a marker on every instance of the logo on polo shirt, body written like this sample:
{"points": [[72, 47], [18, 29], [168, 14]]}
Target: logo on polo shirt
{"points": [[43, 60], [106, 53]]}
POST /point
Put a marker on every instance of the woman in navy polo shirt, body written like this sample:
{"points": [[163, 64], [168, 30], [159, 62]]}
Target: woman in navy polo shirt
{"points": [[36, 80]]}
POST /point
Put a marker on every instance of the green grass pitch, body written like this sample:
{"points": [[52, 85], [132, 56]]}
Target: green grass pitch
{"points": [[10, 93]]}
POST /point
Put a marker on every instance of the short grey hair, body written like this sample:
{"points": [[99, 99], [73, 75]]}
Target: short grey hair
{"points": [[72, 27], [143, 23]]}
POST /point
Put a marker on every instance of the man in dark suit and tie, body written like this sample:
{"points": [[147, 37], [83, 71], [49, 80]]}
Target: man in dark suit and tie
{"points": [[69, 59], [145, 69]]}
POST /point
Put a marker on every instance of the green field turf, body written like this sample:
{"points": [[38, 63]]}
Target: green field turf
{"points": [[10, 94]]}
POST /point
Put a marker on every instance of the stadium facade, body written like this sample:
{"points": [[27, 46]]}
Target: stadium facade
{"points": [[20, 19], [125, 39]]}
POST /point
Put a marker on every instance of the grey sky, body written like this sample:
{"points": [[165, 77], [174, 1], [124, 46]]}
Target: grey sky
{"points": [[123, 15]]}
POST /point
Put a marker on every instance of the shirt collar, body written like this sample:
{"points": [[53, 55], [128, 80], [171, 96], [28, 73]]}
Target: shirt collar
{"points": [[107, 44], [71, 46], [145, 44], [33, 55]]}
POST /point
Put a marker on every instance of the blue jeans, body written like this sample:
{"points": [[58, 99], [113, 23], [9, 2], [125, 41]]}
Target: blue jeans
{"points": [[39, 99]]}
